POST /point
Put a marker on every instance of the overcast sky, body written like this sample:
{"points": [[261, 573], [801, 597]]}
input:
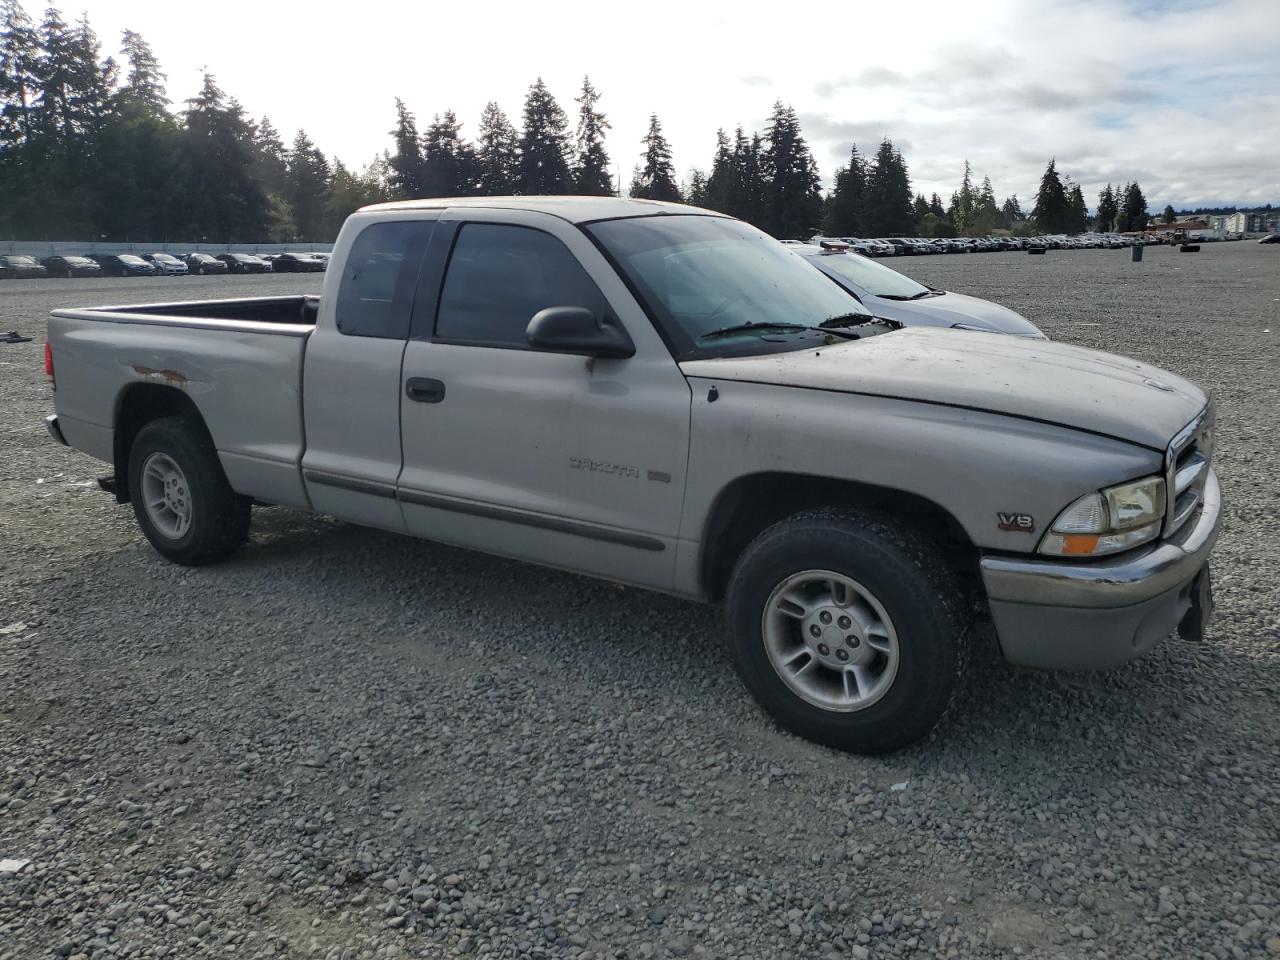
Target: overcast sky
{"points": [[1182, 95]]}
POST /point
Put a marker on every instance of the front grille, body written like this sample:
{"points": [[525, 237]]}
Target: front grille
{"points": [[1187, 470]]}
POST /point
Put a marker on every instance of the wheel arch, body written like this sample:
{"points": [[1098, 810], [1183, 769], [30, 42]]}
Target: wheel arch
{"points": [[751, 503], [137, 405]]}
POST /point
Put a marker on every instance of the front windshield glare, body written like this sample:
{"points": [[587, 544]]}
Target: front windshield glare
{"points": [[877, 279], [700, 274]]}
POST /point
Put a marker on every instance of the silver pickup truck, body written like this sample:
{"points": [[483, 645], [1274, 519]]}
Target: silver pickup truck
{"points": [[668, 398]]}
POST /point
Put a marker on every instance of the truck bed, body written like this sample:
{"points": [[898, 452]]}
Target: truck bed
{"points": [[239, 362]]}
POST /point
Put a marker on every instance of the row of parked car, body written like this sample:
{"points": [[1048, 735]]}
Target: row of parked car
{"points": [[908, 246], [22, 267]]}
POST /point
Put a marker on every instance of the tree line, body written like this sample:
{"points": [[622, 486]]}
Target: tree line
{"points": [[91, 147]]}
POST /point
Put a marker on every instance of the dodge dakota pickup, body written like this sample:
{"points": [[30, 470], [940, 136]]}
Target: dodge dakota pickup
{"points": [[665, 397]]}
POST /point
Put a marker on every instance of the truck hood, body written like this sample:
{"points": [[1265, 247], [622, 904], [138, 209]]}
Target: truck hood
{"points": [[1036, 379]]}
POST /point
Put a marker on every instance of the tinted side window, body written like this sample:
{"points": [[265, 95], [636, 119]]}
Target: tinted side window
{"points": [[384, 259], [499, 276]]}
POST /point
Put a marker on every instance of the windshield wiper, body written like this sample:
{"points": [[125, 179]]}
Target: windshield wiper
{"points": [[846, 320], [753, 326]]}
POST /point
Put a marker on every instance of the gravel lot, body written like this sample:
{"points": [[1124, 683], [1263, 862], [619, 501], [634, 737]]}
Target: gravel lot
{"points": [[346, 744]]}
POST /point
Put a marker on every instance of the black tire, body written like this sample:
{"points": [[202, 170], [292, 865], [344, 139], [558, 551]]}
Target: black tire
{"points": [[219, 516], [908, 576]]}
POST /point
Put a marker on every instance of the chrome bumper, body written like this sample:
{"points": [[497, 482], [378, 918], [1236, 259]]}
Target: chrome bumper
{"points": [[55, 431], [1092, 616], [1121, 582]]}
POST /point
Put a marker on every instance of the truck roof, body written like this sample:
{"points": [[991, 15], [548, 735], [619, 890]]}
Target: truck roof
{"points": [[571, 208]]}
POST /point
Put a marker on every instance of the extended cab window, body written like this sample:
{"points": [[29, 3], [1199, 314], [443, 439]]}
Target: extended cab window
{"points": [[499, 276], [384, 259]]}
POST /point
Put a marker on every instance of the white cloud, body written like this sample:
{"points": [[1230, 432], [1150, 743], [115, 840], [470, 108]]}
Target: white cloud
{"points": [[1182, 96]]}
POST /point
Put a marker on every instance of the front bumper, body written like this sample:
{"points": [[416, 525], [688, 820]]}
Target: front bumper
{"points": [[1057, 615]]}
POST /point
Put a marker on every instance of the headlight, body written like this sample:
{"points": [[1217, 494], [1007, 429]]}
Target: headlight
{"points": [[1109, 521]]}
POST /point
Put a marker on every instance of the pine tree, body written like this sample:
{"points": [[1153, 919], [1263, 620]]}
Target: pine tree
{"points": [[19, 54], [349, 191], [843, 215], [544, 168], [793, 195], [591, 175], [1050, 211], [919, 207], [963, 202], [449, 162], [695, 191], [936, 208], [1168, 216], [1077, 212], [271, 163], [1107, 209], [888, 206], [407, 173], [307, 187], [222, 199], [723, 176], [986, 214], [1133, 210], [1011, 211], [143, 89], [497, 154], [656, 179]]}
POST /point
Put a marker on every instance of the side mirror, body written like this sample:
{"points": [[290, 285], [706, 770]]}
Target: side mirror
{"points": [[577, 330]]}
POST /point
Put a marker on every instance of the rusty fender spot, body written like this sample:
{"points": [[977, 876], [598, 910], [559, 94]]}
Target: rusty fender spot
{"points": [[174, 378]]}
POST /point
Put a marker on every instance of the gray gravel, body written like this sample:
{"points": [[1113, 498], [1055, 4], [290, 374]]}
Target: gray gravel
{"points": [[347, 744]]}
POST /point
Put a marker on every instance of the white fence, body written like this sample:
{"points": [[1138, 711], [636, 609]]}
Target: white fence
{"points": [[49, 248]]}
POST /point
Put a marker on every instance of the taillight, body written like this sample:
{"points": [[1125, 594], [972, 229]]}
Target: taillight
{"points": [[48, 360]]}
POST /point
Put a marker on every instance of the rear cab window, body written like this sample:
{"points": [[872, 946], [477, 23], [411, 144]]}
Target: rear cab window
{"points": [[374, 296]]}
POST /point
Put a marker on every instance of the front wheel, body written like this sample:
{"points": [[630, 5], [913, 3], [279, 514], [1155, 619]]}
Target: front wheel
{"points": [[181, 497], [849, 628]]}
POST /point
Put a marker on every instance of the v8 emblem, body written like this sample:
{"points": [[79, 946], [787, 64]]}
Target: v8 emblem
{"points": [[1016, 522]]}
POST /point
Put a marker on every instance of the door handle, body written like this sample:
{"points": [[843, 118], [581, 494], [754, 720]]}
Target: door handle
{"points": [[424, 389]]}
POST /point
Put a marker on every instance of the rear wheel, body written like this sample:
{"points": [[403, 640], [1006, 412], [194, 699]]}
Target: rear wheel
{"points": [[181, 497], [849, 628]]}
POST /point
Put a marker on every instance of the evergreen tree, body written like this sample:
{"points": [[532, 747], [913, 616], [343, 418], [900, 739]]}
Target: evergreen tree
{"points": [[543, 167], [986, 214], [271, 159], [1077, 212], [1133, 210], [19, 55], [497, 154], [936, 208], [449, 162], [143, 89], [1050, 211], [591, 175], [1011, 211], [793, 194], [695, 191], [1168, 216], [963, 202], [888, 206], [656, 179], [221, 197], [1107, 209], [843, 213], [307, 188], [723, 176], [349, 191], [408, 175], [919, 207]]}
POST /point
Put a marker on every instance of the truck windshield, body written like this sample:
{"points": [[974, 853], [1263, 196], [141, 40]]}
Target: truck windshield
{"points": [[701, 275]]}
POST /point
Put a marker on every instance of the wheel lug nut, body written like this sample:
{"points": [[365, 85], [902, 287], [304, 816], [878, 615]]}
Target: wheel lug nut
{"points": [[852, 641], [815, 631], [845, 623], [842, 654], [824, 649], [824, 616]]}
